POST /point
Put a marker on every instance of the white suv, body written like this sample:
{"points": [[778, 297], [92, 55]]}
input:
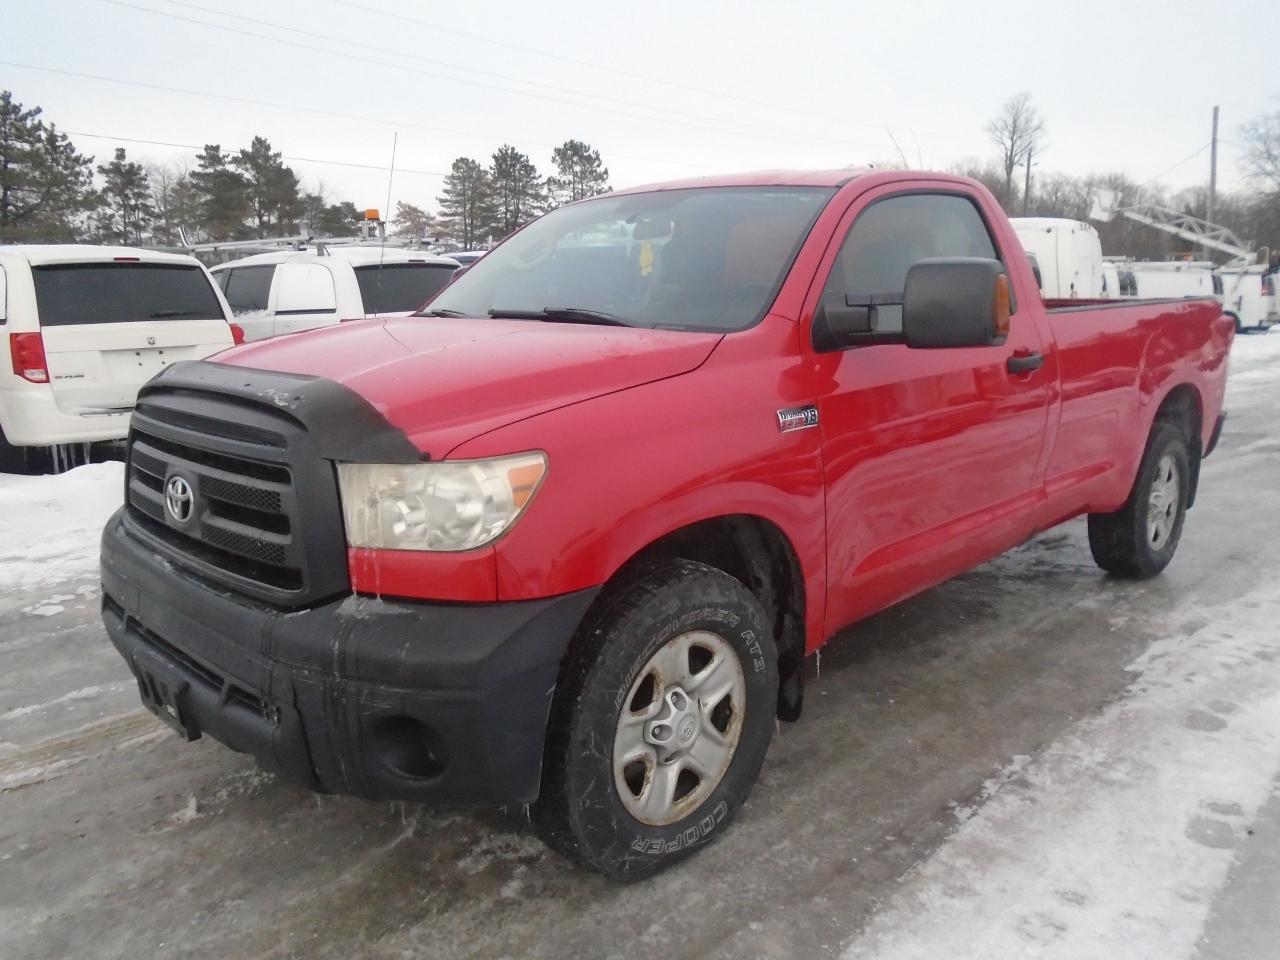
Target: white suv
{"points": [[276, 293], [86, 327]]}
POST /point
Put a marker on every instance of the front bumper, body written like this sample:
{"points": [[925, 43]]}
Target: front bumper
{"points": [[376, 698]]}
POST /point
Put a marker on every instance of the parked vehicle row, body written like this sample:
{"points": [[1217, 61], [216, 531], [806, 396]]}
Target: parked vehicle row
{"points": [[277, 293], [87, 326], [566, 536], [1067, 260]]}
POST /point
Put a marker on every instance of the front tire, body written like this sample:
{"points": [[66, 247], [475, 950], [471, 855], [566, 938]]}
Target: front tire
{"points": [[661, 720], [1140, 538]]}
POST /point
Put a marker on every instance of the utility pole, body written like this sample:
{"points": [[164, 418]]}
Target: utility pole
{"points": [[1213, 168], [1026, 189]]}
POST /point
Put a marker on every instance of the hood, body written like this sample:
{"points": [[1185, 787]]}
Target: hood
{"points": [[444, 381]]}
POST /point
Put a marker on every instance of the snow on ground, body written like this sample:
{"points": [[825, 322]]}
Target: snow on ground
{"points": [[50, 526], [1255, 361], [1113, 840]]}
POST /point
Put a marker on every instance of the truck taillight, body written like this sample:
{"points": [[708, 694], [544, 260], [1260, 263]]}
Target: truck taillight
{"points": [[237, 333], [27, 350], [1269, 285]]}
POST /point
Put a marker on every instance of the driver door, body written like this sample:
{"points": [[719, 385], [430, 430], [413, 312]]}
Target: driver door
{"points": [[930, 456]]}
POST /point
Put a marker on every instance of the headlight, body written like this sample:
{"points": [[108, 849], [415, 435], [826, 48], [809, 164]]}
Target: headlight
{"points": [[450, 505]]}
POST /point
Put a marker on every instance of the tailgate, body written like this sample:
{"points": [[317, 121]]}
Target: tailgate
{"points": [[108, 327], [95, 368]]}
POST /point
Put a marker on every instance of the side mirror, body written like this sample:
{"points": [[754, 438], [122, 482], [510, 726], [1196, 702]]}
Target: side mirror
{"points": [[839, 324], [955, 302]]}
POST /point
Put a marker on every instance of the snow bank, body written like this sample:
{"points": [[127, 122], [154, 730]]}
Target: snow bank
{"points": [[1114, 839], [49, 526]]}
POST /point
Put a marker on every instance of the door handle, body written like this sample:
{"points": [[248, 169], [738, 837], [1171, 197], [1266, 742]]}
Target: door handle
{"points": [[1025, 362]]}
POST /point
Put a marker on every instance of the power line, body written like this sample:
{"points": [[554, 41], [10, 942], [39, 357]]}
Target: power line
{"points": [[476, 83], [295, 108], [383, 50], [1186, 159], [295, 159], [647, 78]]}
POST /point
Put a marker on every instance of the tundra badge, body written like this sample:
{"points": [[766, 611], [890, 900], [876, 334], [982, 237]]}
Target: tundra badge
{"points": [[797, 418]]}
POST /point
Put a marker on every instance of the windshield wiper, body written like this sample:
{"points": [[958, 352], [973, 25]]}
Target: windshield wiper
{"points": [[561, 315], [439, 312], [162, 314]]}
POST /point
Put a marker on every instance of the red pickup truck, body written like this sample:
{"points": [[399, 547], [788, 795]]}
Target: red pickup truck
{"points": [[566, 536]]}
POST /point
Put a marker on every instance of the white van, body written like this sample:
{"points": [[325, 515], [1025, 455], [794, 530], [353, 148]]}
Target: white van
{"points": [[1066, 256], [86, 327], [1157, 280], [1249, 297], [276, 293]]}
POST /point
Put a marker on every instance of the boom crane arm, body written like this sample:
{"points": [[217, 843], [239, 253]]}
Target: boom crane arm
{"points": [[1183, 225]]}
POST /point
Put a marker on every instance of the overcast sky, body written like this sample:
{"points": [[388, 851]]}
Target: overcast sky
{"points": [[664, 89]]}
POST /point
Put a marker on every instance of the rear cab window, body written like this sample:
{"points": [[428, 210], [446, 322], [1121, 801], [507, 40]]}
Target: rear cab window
{"points": [[84, 293], [398, 287], [890, 236]]}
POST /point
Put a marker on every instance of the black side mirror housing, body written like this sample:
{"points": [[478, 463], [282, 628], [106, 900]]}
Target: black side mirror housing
{"points": [[955, 302], [839, 324]]}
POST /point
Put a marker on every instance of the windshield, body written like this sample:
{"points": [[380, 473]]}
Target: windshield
{"points": [[122, 292], [395, 287], [701, 259]]}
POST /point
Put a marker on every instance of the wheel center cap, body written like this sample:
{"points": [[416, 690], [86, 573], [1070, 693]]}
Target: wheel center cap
{"points": [[687, 730]]}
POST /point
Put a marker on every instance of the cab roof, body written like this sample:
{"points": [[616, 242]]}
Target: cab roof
{"points": [[759, 178]]}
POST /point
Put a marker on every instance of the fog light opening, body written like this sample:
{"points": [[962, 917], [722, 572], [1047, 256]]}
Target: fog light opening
{"points": [[404, 745]]}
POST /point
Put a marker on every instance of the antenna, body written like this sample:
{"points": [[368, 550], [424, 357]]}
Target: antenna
{"points": [[382, 250]]}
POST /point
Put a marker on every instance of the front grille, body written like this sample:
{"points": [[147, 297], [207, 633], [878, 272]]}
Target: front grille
{"points": [[257, 449], [240, 522]]}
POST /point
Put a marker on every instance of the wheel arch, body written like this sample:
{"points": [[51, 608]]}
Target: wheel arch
{"points": [[757, 552], [1184, 408]]}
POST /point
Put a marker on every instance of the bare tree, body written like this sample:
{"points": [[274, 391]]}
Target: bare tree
{"points": [[1261, 140], [1017, 130]]}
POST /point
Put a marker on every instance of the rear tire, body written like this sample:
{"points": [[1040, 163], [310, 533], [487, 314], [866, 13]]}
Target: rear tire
{"points": [[1140, 538], [661, 720]]}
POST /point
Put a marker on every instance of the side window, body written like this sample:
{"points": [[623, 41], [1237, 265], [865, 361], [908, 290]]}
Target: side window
{"points": [[220, 278], [247, 288], [891, 236]]}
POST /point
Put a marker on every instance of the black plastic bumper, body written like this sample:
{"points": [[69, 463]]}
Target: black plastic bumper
{"points": [[377, 698]]}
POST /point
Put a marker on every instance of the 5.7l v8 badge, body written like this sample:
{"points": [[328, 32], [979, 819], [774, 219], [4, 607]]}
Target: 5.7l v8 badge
{"points": [[797, 418]]}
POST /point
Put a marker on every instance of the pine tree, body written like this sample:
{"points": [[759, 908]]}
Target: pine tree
{"points": [[466, 204], [413, 221], [274, 201], [126, 208], [519, 193], [324, 219], [223, 195], [45, 185], [579, 173]]}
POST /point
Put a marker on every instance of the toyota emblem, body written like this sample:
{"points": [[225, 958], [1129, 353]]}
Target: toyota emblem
{"points": [[179, 499]]}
